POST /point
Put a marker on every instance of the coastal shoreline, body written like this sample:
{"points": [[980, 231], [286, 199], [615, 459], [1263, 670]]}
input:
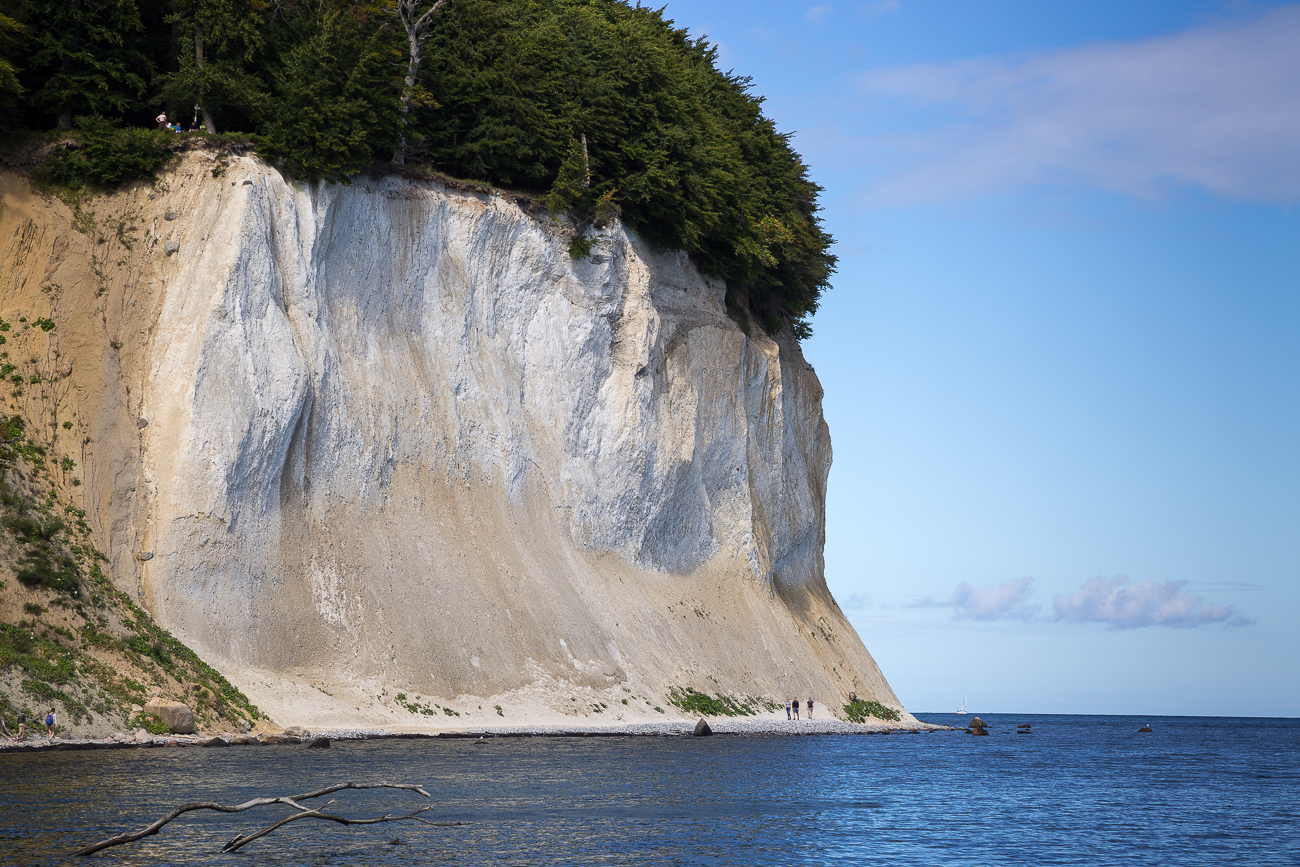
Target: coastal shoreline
{"points": [[740, 728]]}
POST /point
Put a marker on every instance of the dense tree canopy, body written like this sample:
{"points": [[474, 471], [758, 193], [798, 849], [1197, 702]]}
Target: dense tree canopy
{"points": [[596, 106]]}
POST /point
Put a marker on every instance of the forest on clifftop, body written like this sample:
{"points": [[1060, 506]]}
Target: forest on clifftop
{"points": [[596, 107]]}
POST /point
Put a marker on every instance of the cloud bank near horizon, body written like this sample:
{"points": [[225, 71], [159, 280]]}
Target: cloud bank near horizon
{"points": [[1006, 601], [1120, 603], [1117, 602], [1213, 108]]}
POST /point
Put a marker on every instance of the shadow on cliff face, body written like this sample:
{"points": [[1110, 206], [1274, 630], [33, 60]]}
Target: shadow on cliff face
{"points": [[801, 597]]}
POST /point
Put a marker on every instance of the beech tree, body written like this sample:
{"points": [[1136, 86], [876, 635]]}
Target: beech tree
{"points": [[415, 16]]}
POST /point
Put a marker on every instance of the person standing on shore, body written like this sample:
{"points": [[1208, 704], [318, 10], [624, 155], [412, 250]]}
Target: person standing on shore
{"points": [[51, 724], [810, 708], [795, 705], [22, 725], [162, 121], [787, 709]]}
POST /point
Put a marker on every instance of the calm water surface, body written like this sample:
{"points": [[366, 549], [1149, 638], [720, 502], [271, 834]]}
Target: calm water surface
{"points": [[1079, 790]]}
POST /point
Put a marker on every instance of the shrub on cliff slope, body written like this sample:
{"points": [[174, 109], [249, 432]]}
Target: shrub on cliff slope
{"points": [[68, 636], [858, 711], [101, 153]]}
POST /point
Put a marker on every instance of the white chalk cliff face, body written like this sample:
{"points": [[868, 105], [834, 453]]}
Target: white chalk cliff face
{"points": [[393, 438]]}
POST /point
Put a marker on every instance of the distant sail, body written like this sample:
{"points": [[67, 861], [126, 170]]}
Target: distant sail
{"points": [[962, 711]]}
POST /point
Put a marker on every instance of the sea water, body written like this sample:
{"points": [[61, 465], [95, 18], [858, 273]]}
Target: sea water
{"points": [[1075, 790]]}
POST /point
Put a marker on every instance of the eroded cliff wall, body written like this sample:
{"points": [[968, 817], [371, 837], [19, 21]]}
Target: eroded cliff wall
{"points": [[353, 441]]}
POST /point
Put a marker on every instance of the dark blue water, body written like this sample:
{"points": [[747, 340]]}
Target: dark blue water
{"points": [[1078, 790]]}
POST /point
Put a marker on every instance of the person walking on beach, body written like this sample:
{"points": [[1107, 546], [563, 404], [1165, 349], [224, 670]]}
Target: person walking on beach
{"points": [[51, 723], [795, 705], [809, 708], [22, 725], [787, 709]]}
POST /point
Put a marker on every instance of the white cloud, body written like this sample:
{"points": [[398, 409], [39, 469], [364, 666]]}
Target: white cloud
{"points": [[1215, 108], [1006, 601], [1126, 605], [818, 14]]}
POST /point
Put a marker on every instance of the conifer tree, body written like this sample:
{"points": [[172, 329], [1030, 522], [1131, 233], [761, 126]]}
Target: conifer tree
{"points": [[9, 86], [217, 40], [333, 107], [84, 58]]}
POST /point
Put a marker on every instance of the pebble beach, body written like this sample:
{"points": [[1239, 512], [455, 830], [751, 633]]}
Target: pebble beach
{"points": [[744, 727]]}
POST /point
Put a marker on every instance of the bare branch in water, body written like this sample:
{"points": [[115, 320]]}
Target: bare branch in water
{"points": [[290, 800], [244, 839]]}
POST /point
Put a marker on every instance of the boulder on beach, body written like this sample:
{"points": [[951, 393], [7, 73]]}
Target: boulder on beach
{"points": [[176, 715], [319, 744], [216, 741], [143, 737], [265, 738], [702, 729], [297, 732]]}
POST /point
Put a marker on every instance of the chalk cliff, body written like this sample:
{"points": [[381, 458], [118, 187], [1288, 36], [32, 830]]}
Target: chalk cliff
{"points": [[355, 441]]}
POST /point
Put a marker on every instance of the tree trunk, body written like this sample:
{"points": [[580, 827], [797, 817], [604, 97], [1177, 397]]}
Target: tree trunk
{"points": [[72, 44], [586, 163], [202, 104], [412, 73]]}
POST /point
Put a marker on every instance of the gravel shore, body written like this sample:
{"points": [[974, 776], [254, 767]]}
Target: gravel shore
{"points": [[664, 729], [743, 727]]}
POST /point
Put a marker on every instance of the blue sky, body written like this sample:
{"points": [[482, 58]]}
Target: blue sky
{"points": [[1062, 352]]}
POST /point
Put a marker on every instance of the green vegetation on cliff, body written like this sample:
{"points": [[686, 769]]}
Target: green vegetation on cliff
{"points": [[68, 637], [692, 701], [596, 107], [858, 711]]}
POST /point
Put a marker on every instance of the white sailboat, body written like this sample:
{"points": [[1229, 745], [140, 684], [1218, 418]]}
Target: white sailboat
{"points": [[962, 711]]}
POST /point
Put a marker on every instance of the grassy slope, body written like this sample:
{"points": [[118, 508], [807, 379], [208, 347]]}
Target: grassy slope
{"points": [[68, 637]]}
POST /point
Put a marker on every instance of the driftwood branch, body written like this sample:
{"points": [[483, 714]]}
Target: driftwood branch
{"points": [[290, 800], [244, 839]]}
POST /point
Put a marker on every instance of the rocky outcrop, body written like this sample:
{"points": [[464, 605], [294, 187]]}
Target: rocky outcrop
{"points": [[177, 716], [350, 442]]}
